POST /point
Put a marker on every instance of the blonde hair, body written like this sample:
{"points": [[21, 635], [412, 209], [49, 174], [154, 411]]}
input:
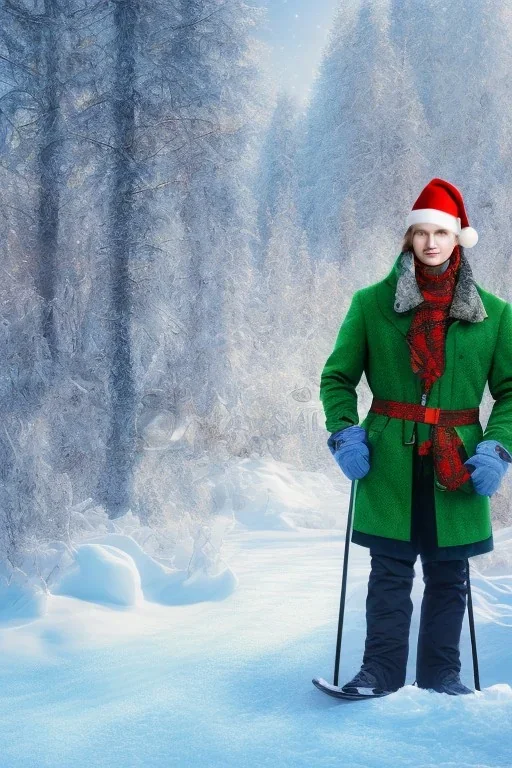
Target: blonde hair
{"points": [[407, 241]]}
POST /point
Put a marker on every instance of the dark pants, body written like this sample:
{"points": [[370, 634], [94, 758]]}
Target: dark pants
{"points": [[389, 605], [388, 618]]}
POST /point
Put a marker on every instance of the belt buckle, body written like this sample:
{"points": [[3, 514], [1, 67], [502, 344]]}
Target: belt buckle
{"points": [[431, 415]]}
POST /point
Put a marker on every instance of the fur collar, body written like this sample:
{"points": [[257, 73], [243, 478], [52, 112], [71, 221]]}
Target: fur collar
{"points": [[466, 303]]}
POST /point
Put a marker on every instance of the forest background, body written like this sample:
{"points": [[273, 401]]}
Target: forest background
{"points": [[182, 237]]}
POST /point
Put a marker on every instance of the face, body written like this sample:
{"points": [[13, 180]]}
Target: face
{"points": [[432, 244]]}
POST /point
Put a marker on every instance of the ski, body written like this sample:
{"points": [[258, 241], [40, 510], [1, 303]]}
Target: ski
{"points": [[339, 693]]}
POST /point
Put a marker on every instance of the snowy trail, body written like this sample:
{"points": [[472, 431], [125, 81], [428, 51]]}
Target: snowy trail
{"points": [[229, 683]]}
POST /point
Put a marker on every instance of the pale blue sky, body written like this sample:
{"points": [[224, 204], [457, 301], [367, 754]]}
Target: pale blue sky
{"points": [[297, 31]]}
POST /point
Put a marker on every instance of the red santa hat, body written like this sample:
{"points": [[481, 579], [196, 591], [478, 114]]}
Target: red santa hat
{"points": [[441, 203]]}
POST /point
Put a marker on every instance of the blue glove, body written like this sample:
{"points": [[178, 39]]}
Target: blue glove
{"points": [[488, 466], [351, 451]]}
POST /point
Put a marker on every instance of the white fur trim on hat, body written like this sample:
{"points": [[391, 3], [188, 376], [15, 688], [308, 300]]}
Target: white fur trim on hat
{"points": [[468, 237], [433, 216]]}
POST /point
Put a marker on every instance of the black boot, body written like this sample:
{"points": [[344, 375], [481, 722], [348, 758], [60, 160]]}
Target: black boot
{"points": [[364, 682], [442, 614], [388, 620], [451, 684]]}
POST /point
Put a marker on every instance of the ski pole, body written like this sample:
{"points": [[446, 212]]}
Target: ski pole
{"points": [[344, 583], [472, 633]]}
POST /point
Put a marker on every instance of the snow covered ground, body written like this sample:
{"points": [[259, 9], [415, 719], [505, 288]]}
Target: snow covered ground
{"points": [[142, 680]]}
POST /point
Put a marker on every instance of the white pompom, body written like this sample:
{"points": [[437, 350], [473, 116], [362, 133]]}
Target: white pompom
{"points": [[468, 237]]}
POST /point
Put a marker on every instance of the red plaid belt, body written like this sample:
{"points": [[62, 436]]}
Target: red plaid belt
{"points": [[445, 444], [444, 417]]}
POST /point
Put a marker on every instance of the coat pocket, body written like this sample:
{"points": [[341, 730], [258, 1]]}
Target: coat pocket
{"points": [[471, 435], [375, 425]]}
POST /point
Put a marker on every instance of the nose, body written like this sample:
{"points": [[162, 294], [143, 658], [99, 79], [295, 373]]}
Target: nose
{"points": [[431, 240]]}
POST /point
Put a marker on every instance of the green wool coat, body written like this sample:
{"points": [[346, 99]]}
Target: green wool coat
{"points": [[478, 349]]}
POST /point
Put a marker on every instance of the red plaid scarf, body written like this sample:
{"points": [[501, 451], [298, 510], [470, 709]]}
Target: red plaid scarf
{"points": [[426, 340]]}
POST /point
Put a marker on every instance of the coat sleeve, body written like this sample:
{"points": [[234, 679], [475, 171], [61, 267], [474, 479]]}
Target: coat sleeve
{"points": [[499, 426], [343, 370]]}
